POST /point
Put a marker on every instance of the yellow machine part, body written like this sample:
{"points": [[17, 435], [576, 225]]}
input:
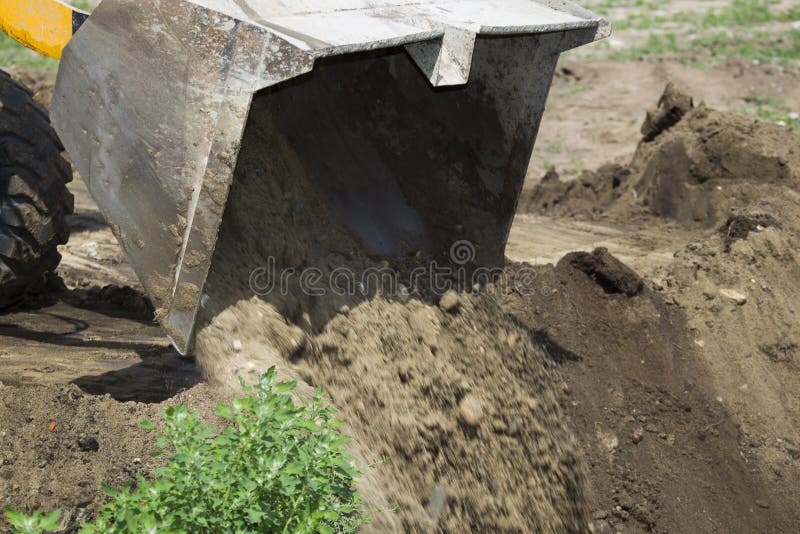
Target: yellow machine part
{"points": [[42, 25]]}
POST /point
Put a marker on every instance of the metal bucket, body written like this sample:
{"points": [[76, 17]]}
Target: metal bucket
{"points": [[409, 124]]}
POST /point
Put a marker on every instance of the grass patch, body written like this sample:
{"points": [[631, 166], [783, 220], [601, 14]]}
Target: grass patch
{"points": [[739, 13], [763, 47], [556, 146], [14, 54], [780, 118], [605, 6], [747, 12], [574, 89], [772, 110]]}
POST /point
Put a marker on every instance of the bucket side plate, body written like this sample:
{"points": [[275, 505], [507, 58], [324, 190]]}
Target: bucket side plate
{"points": [[151, 101]]}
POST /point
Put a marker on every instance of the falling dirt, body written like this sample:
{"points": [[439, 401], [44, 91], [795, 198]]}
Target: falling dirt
{"points": [[460, 404]]}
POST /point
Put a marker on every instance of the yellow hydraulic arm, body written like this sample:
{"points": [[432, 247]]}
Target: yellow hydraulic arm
{"points": [[42, 25]]}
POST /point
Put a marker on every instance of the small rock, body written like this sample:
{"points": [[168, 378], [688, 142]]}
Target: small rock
{"points": [[237, 345], [88, 444], [425, 324], [638, 435], [436, 503], [464, 386], [345, 310], [762, 504], [599, 514], [450, 301], [513, 339], [515, 426], [736, 296], [622, 514], [470, 410], [84, 499], [609, 440], [606, 271], [602, 527]]}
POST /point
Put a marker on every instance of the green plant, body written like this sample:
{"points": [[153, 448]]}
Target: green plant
{"points": [[33, 524], [277, 467]]}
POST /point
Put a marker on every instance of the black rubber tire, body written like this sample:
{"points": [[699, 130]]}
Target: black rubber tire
{"points": [[34, 200]]}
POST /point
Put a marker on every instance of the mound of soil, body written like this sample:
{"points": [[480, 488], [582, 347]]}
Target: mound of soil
{"points": [[693, 165], [460, 404], [643, 389], [697, 366], [740, 290]]}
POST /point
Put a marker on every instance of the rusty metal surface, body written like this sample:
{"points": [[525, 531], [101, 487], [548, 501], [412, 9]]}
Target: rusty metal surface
{"points": [[153, 97]]}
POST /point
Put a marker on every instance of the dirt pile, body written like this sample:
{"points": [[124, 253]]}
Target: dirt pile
{"points": [[693, 165], [739, 287], [697, 367], [670, 402], [460, 404]]}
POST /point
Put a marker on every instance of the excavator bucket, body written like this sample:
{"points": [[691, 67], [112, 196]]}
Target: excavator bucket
{"points": [[226, 141]]}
